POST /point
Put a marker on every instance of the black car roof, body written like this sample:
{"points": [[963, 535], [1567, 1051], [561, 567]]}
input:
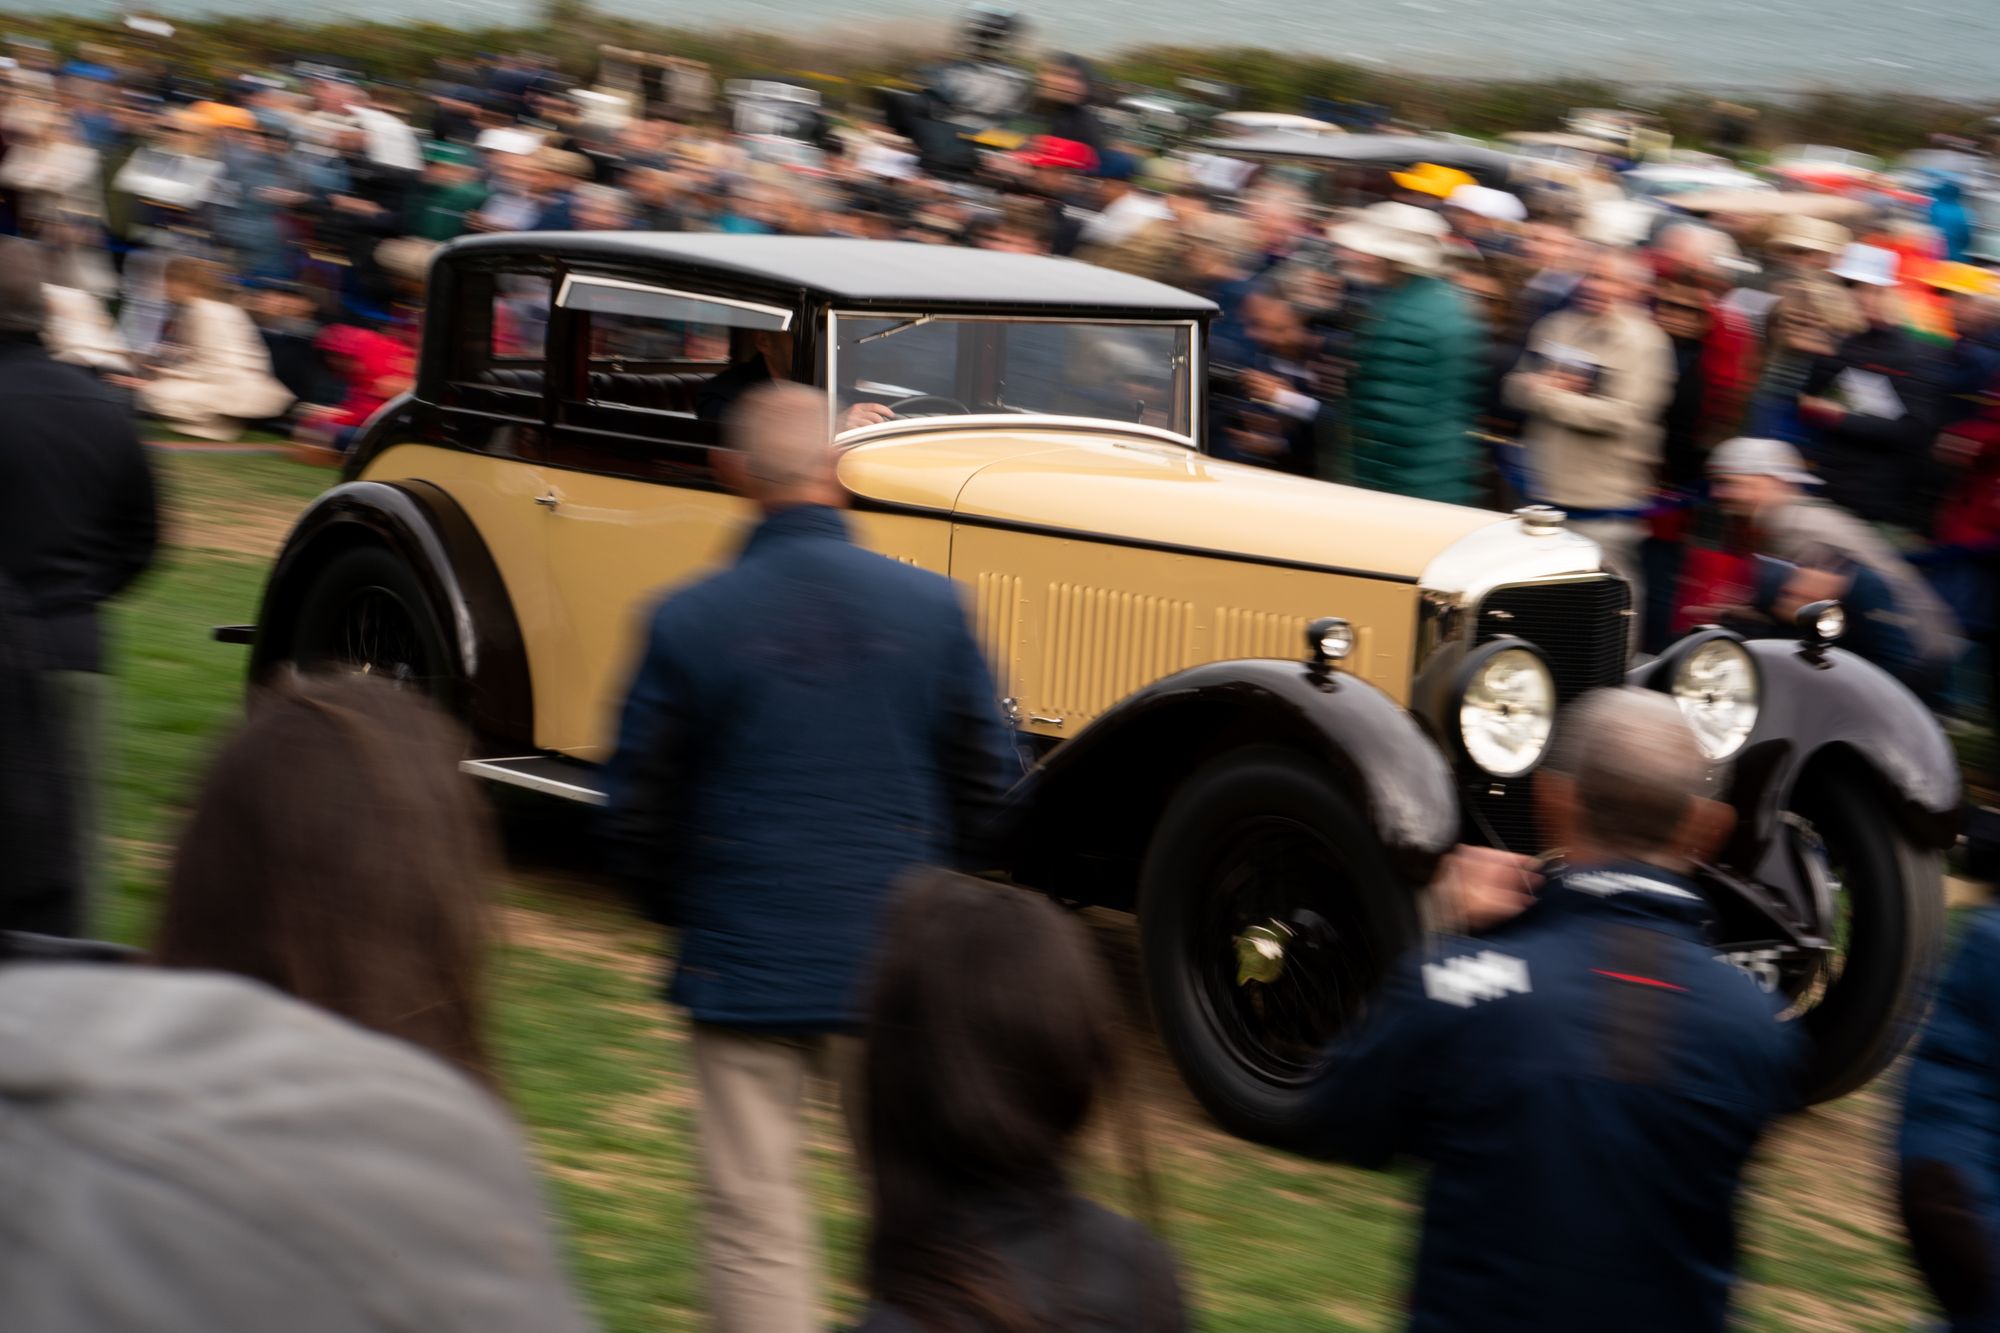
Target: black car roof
{"points": [[872, 273]]}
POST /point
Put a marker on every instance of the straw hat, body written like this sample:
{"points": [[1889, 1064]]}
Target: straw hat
{"points": [[1807, 233], [406, 257], [1430, 178], [1403, 234], [574, 165]]}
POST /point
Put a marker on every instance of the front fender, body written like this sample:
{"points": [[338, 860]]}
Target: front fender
{"points": [[1082, 818], [430, 532], [1823, 707]]}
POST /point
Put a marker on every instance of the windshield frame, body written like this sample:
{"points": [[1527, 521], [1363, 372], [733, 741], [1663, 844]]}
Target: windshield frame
{"points": [[1196, 375]]}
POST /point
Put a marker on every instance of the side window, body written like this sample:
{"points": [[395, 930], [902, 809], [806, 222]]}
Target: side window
{"points": [[641, 357], [500, 348]]}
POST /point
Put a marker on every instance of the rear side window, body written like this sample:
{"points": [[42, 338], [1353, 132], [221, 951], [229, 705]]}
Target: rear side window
{"points": [[650, 349], [499, 349]]}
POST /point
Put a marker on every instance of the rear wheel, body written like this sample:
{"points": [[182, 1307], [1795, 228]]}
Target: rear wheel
{"points": [[1863, 998], [1267, 914], [365, 612]]}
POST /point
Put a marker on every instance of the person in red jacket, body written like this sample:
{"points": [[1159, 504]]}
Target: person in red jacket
{"points": [[372, 367]]}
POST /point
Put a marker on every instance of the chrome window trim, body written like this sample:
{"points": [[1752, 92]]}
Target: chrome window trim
{"points": [[654, 289], [1195, 371], [861, 435]]}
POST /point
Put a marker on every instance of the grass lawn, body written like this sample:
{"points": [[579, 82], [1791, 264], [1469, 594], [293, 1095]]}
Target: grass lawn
{"points": [[597, 1068]]}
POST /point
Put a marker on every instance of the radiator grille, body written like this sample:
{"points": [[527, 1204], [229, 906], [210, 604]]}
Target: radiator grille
{"points": [[1582, 629]]}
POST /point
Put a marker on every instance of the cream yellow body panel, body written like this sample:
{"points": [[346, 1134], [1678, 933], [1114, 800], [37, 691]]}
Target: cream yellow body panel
{"points": [[1072, 627], [584, 574], [1136, 488]]}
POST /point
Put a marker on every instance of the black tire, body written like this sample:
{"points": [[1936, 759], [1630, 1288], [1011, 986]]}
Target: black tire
{"points": [[1263, 836], [1889, 923], [364, 611]]}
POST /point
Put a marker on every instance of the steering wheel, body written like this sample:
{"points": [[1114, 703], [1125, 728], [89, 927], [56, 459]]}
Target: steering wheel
{"points": [[937, 405]]}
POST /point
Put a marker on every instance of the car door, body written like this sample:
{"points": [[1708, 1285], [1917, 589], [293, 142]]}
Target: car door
{"points": [[633, 507]]}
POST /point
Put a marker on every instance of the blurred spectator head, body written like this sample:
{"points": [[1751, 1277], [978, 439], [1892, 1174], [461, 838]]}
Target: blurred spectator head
{"points": [[450, 163], [1021, 226], [1552, 247], [1273, 322], [1870, 272], [1614, 280], [1386, 240], [190, 278], [1484, 289], [1277, 213], [1808, 243], [555, 170], [1222, 248], [1628, 781], [1065, 80], [1682, 306], [992, 1036], [1710, 255], [1748, 476], [781, 448], [23, 270], [600, 208], [336, 853], [235, 1157]]}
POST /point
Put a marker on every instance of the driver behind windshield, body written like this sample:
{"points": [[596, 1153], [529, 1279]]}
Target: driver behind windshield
{"points": [[759, 357]]}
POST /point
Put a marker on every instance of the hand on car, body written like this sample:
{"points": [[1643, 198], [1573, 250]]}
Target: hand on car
{"points": [[1807, 586], [1262, 387], [1822, 410], [1479, 887], [866, 414]]}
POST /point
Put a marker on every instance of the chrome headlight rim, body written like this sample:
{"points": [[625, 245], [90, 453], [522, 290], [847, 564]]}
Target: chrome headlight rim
{"points": [[1469, 673], [1667, 677]]}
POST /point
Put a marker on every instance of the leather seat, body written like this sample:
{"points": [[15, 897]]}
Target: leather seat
{"points": [[665, 392]]}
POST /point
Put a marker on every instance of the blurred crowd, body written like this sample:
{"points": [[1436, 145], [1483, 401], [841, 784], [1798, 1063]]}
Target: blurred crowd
{"points": [[252, 255], [1751, 411]]}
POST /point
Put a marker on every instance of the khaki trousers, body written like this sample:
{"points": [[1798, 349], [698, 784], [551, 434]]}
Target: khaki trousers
{"points": [[759, 1246]]}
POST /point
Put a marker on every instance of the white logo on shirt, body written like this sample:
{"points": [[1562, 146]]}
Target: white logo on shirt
{"points": [[1484, 976]]}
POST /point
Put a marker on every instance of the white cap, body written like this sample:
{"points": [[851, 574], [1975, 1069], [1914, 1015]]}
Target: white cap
{"points": [[1488, 202], [1869, 264], [1749, 457]]}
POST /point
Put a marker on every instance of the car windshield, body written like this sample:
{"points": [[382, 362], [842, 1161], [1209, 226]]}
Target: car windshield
{"points": [[926, 365]]}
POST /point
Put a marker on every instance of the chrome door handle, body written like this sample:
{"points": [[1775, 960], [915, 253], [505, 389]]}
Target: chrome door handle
{"points": [[549, 501]]}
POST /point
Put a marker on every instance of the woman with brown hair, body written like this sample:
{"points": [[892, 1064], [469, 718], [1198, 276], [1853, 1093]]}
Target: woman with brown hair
{"points": [[336, 854], [992, 1036]]}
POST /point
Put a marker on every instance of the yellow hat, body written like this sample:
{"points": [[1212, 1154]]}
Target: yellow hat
{"points": [[1430, 178], [222, 116], [1960, 279]]}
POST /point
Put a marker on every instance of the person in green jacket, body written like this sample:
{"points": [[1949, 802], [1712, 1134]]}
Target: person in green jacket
{"points": [[1413, 395], [451, 190]]}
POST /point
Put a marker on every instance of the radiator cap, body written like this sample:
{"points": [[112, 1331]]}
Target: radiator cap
{"points": [[1541, 520]]}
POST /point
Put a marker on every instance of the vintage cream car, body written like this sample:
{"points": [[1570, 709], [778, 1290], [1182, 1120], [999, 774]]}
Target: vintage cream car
{"points": [[1255, 708]]}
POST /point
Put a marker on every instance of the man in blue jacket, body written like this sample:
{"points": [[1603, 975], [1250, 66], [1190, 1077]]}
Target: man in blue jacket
{"points": [[805, 726], [1587, 1079], [1950, 1141]]}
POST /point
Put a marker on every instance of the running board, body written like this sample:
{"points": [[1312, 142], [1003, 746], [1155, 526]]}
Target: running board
{"points": [[547, 774]]}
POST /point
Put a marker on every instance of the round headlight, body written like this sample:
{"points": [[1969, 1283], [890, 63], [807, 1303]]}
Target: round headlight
{"points": [[1507, 712], [1716, 687], [1830, 623]]}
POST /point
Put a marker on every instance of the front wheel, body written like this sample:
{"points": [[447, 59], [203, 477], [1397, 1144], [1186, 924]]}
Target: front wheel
{"points": [[1862, 1000], [1267, 914]]}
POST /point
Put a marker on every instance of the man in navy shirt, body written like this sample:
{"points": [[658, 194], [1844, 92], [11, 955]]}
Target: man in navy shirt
{"points": [[806, 726], [1587, 1078]]}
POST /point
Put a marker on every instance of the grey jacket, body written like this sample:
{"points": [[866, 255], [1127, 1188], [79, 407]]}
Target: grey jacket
{"points": [[1811, 531]]}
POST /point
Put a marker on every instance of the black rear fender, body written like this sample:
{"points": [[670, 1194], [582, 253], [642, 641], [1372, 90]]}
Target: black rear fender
{"points": [[427, 529], [1082, 820]]}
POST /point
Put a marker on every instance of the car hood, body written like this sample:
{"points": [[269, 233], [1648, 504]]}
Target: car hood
{"points": [[1137, 490]]}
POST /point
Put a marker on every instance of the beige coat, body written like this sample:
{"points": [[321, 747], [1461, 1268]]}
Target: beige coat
{"points": [[217, 375], [1596, 450]]}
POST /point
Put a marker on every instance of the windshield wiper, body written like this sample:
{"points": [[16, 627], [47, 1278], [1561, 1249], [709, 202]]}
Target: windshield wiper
{"points": [[893, 329]]}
